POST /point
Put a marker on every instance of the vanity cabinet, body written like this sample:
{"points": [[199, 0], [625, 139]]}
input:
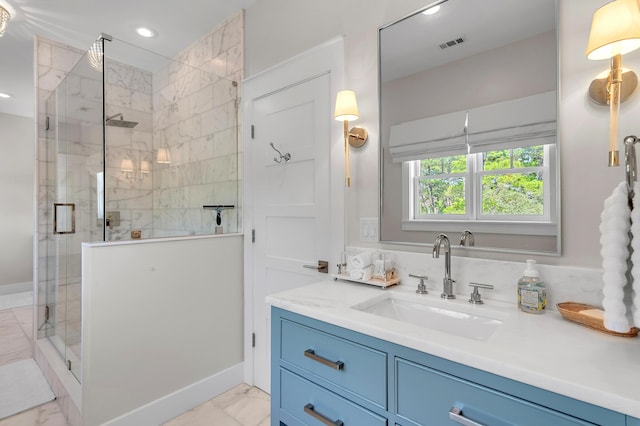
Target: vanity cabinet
{"points": [[322, 374]]}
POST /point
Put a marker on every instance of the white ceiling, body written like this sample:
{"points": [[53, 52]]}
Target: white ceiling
{"points": [[412, 45], [78, 23]]}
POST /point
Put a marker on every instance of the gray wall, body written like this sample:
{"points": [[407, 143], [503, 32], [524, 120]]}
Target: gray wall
{"points": [[16, 199], [279, 29]]}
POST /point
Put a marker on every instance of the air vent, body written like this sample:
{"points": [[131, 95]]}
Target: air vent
{"points": [[451, 43]]}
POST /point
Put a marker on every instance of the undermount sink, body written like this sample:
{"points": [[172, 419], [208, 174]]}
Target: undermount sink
{"points": [[472, 321]]}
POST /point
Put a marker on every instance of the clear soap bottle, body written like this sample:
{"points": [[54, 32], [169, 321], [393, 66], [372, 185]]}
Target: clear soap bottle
{"points": [[532, 294]]}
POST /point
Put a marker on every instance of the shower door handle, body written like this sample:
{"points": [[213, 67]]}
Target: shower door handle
{"points": [[64, 218]]}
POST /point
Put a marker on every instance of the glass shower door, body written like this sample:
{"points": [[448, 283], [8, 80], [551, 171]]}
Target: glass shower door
{"points": [[74, 160]]}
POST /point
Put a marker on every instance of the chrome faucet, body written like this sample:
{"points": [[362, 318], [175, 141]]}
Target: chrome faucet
{"points": [[467, 236], [447, 282]]}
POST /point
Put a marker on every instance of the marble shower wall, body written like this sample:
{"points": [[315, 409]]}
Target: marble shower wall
{"points": [[129, 171], [195, 104]]}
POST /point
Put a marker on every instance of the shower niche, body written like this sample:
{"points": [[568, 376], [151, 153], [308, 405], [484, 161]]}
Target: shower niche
{"points": [[131, 145]]}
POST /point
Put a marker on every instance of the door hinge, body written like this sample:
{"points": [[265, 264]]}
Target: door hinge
{"points": [[253, 340], [253, 131], [69, 365], [253, 235], [46, 313], [46, 123]]}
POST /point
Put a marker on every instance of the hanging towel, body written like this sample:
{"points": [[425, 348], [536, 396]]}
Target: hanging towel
{"points": [[635, 256], [615, 224]]}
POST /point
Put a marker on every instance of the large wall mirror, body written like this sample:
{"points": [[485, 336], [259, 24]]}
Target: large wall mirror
{"points": [[468, 126]]}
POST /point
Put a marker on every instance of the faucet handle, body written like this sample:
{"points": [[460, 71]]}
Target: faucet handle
{"points": [[422, 288], [476, 297]]}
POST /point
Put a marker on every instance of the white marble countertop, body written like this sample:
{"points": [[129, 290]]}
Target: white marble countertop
{"points": [[540, 350]]}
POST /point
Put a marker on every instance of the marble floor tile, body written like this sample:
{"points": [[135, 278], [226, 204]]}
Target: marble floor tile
{"points": [[48, 414], [8, 323], [24, 316], [11, 357], [252, 409], [204, 415], [241, 406], [14, 342]]}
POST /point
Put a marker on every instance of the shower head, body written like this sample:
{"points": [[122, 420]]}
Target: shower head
{"points": [[111, 121]]}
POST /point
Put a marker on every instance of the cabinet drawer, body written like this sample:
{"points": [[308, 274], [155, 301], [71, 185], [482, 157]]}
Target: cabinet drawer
{"points": [[296, 393], [482, 405], [352, 368]]}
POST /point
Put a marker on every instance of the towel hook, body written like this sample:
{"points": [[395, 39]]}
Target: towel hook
{"points": [[286, 157]]}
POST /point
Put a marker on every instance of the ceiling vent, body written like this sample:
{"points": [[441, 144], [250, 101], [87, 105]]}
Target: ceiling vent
{"points": [[452, 43]]}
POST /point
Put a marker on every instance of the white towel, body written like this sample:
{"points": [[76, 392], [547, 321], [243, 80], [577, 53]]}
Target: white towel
{"points": [[615, 224], [635, 256], [361, 274], [359, 261]]}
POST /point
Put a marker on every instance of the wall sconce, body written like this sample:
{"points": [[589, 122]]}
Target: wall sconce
{"points": [[145, 168], [347, 110], [126, 167], [163, 156], [615, 31]]}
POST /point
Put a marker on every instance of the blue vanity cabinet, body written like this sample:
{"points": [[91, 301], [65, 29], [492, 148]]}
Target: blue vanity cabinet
{"points": [[322, 374], [632, 421]]}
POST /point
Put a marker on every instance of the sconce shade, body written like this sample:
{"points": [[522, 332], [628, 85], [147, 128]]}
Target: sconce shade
{"points": [[163, 157], [126, 165], [5, 16], [346, 106], [615, 30], [145, 167]]}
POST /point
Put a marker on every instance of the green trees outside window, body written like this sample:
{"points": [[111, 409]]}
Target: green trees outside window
{"points": [[511, 183]]}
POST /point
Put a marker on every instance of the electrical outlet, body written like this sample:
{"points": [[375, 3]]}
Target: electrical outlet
{"points": [[369, 229]]}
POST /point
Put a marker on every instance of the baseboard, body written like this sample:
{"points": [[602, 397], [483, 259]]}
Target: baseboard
{"points": [[176, 403], [15, 288]]}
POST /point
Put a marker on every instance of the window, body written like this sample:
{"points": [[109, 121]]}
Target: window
{"points": [[495, 190]]}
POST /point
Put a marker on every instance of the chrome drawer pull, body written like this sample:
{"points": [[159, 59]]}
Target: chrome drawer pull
{"points": [[336, 365], [310, 411], [456, 415]]}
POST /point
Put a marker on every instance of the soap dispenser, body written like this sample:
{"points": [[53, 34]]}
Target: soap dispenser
{"points": [[532, 294]]}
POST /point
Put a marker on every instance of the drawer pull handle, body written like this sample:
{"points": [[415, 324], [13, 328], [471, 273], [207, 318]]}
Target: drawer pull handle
{"points": [[456, 415], [336, 365], [313, 413]]}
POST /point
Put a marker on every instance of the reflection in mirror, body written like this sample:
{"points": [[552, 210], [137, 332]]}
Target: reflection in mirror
{"points": [[468, 126]]}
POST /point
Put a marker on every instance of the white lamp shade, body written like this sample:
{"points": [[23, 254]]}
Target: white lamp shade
{"points": [[145, 167], [5, 16], [346, 106], [163, 157], [615, 30], [126, 165]]}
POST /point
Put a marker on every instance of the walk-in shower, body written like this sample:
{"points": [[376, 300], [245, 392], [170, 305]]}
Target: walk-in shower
{"points": [[135, 144]]}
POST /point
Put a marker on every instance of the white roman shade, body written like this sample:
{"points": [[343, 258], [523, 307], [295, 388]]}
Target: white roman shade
{"points": [[516, 123]]}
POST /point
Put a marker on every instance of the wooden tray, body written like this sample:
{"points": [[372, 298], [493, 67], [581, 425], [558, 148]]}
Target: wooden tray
{"points": [[571, 312]]}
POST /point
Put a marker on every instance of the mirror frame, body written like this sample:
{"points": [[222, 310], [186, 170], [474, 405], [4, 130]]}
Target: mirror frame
{"points": [[466, 250]]}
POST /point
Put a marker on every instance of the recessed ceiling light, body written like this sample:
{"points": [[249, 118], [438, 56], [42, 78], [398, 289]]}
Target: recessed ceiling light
{"points": [[4, 95], [145, 32]]}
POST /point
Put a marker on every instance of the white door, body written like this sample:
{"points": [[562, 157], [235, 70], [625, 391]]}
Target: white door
{"points": [[291, 212]]}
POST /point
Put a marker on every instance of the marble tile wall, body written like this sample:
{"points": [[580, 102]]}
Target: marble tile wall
{"points": [[195, 104], [129, 151]]}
